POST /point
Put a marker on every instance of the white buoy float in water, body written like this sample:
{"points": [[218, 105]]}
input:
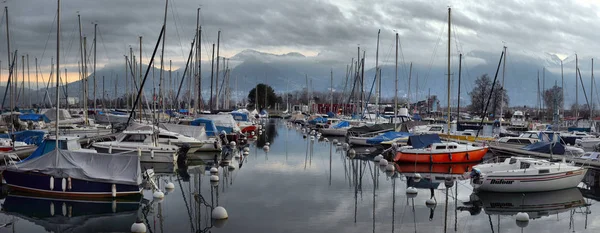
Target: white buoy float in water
{"points": [[383, 162], [335, 141], [390, 167], [378, 158], [214, 170], [352, 152], [170, 185], [417, 177], [138, 227], [247, 149], [312, 138], [266, 147], [232, 143], [367, 150], [214, 178], [522, 219], [346, 145], [430, 203], [325, 139], [246, 153], [267, 143], [231, 167], [219, 213], [411, 192], [158, 194], [339, 144]]}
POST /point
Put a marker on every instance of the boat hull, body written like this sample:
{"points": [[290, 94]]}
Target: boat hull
{"points": [[529, 183], [333, 132], [359, 141], [33, 182], [468, 156], [466, 138]]}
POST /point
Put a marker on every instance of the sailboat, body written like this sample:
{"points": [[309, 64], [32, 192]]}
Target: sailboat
{"points": [[76, 173], [428, 148]]}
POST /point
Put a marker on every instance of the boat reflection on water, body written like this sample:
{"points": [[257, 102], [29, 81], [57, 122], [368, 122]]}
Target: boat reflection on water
{"points": [[431, 175], [59, 215], [536, 205]]}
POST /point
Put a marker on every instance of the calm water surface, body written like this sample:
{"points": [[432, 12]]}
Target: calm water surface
{"points": [[301, 185]]}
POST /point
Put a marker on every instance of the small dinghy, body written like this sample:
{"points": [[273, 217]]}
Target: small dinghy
{"points": [[520, 174]]}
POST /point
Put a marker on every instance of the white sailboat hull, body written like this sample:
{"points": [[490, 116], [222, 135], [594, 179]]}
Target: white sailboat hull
{"points": [[359, 141], [519, 182], [147, 154]]}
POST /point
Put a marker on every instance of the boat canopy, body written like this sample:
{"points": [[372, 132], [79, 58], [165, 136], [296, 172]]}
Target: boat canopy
{"points": [[317, 120], [341, 124], [197, 132], [239, 116], [35, 137], [209, 126], [330, 114], [99, 167], [423, 140], [372, 128], [223, 122], [386, 137], [34, 117], [546, 147]]}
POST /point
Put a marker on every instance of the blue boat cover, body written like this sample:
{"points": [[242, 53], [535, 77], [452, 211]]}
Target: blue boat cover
{"points": [[34, 117], [423, 140], [386, 137], [416, 117], [183, 111], [341, 124], [330, 114], [318, 120], [546, 147], [209, 125], [238, 116], [35, 137], [263, 112]]}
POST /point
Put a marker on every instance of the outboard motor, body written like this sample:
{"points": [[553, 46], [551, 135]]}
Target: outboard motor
{"points": [[182, 154]]}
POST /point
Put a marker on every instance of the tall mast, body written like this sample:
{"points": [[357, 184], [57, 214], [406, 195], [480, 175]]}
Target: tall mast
{"points": [[562, 86], [448, 119], [501, 90], [409, 79], [12, 107], [377, 75], [592, 93], [576, 88], [198, 60], [459, 74], [539, 93], [37, 83], [212, 70], [126, 76], [162, 53], [396, 86], [140, 82], [217, 73], [94, 77], [82, 82], [543, 90], [57, 72], [331, 92], [23, 79], [28, 82], [85, 82]]}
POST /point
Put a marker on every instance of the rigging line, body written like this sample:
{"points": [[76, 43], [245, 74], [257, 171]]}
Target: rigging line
{"points": [[104, 46], [432, 58], [67, 51], [173, 14], [48, 39]]}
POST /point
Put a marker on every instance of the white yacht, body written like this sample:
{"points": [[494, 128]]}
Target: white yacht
{"points": [[141, 142], [518, 119], [520, 174]]}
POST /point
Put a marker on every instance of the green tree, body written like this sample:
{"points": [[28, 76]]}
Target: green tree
{"points": [[263, 89], [481, 93]]}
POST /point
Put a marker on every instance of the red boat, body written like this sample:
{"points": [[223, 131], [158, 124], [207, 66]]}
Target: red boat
{"points": [[430, 149]]}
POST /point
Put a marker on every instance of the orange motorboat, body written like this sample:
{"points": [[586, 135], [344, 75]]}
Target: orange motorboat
{"points": [[430, 149]]}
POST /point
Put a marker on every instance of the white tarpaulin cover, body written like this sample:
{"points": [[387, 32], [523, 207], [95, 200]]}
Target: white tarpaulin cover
{"points": [[197, 132], [98, 167]]}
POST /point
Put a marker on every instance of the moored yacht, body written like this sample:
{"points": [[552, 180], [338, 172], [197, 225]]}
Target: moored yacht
{"points": [[142, 143]]}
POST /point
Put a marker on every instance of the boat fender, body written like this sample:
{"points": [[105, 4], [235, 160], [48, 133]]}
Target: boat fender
{"points": [[64, 184], [114, 190], [139, 150], [431, 158], [110, 149], [69, 184], [114, 206], [64, 209], [467, 155], [52, 183], [151, 154], [51, 208], [450, 156]]}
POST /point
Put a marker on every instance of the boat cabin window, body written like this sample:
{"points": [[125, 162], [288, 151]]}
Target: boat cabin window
{"points": [[543, 171], [135, 138], [62, 144], [167, 136], [525, 165], [440, 147], [452, 147], [435, 128], [514, 140], [512, 161], [73, 145]]}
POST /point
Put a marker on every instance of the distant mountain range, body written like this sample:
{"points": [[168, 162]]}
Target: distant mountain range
{"points": [[287, 72]]}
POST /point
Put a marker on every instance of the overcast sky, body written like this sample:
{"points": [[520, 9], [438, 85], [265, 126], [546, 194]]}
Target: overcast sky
{"points": [[328, 30]]}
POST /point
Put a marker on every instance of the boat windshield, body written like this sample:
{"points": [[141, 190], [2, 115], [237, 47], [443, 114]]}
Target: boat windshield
{"points": [[435, 128], [525, 165], [134, 138]]}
